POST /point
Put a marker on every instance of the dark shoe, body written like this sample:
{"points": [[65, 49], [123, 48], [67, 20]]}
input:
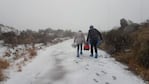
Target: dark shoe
{"points": [[81, 53], [96, 55], [91, 55], [78, 55]]}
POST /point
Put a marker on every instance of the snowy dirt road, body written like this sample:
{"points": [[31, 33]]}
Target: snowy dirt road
{"points": [[58, 64]]}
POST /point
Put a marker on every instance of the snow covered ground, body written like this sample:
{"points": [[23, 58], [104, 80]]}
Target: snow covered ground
{"points": [[58, 64]]}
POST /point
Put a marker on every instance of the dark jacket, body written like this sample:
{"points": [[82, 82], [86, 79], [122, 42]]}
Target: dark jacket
{"points": [[94, 34]]}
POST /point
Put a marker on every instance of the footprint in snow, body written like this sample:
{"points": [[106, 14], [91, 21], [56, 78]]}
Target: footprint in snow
{"points": [[101, 56], [104, 72], [105, 56], [86, 68], [97, 74], [36, 76], [115, 62], [95, 80], [107, 83], [87, 64], [114, 78], [76, 61], [101, 65]]}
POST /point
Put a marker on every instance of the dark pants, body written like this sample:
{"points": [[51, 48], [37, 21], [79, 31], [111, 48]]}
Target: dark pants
{"points": [[79, 48], [93, 43]]}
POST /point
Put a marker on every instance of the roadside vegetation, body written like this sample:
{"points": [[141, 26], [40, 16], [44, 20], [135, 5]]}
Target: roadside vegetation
{"points": [[3, 65], [22, 46], [129, 44]]}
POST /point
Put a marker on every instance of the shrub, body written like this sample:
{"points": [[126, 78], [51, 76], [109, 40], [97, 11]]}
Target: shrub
{"points": [[32, 52], [1, 75], [118, 39], [3, 65], [144, 57], [141, 46], [131, 48], [123, 23]]}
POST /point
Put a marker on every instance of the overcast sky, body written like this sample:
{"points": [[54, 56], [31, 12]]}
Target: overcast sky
{"points": [[71, 14]]}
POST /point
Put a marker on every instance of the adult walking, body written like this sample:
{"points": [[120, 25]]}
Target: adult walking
{"points": [[94, 37], [79, 39]]}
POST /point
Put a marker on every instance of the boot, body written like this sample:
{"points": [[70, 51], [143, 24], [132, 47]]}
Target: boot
{"points": [[78, 54], [96, 55], [91, 55], [81, 52]]}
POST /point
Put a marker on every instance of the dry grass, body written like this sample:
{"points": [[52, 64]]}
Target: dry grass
{"points": [[3, 65], [137, 58], [32, 52], [1, 75], [133, 64], [141, 50]]}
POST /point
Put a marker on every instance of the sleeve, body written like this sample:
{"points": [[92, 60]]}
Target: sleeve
{"points": [[99, 34]]}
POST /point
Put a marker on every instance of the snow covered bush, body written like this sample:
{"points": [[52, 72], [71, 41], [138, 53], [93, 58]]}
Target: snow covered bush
{"points": [[15, 37]]}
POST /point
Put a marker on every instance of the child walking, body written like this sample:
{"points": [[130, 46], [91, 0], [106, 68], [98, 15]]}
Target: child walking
{"points": [[79, 39]]}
